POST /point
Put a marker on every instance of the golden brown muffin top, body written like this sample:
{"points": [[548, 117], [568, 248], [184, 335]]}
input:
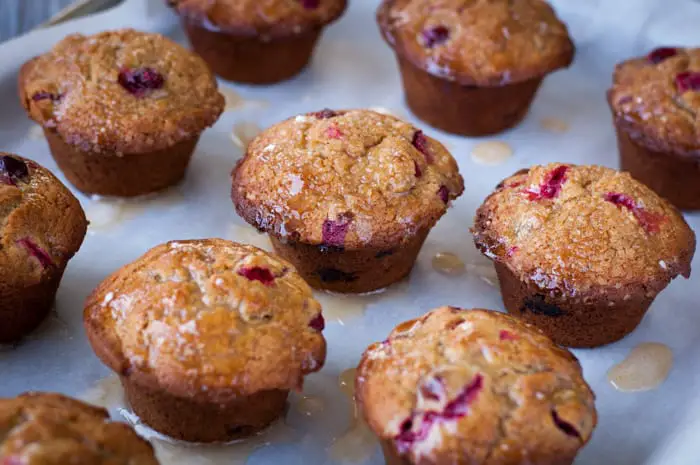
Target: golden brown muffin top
{"points": [[42, 224], [474, 386], [271, 18], [125, 91], [348, 179], [208, 319], [51, 429], [477, 42], [576, 228], [656, 99]]}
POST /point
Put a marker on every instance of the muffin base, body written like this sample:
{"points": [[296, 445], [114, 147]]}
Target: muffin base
{"points": [[580, 322], [192, 421], [249, 59], [463, 109], [674, 177], [351, 271], [23, 310], [126, 175]]}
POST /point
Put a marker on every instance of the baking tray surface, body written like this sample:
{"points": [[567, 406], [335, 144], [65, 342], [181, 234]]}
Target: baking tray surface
{"points": [[354, 68]]}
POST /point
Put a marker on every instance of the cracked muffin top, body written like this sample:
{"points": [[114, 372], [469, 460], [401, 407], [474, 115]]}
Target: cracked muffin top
{"points": [[574, 228], [348, 179], [121, 91], [477, 42], [656, 100], [51, 429], [207, 319], [474, 386], [42, 224], [271, 18]]}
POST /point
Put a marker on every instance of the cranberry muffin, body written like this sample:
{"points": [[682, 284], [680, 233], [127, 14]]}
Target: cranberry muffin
{"points": [[208, 337], [42, 226], [51, 429], [581, 251], [461, 387], [474, 68], [256, 42], [122, 110], [347, 196], [655, 102]]}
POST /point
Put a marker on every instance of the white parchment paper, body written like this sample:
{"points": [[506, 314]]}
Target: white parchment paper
{"points": [[354, 68]]}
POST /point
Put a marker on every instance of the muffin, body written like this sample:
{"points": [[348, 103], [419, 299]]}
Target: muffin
{"points": [[256, 42], [208, 337], [473, 69], [462, 387], [581, 251], [347, 196], [122, 110], [655, 101], [51, 429], [42, 226]]}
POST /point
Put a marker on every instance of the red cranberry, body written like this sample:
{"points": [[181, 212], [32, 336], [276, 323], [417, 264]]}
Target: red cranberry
{"points": [[334, 232], [504, 335], [621, 200], [409, 436], [647, 220], [43, 95], [420, 142], [258, 273], [12, 170], [13, 460], [36, 251], [310, 4], [459, 407], [140, 81], [324, 114], [688, 81], [435, 35], [660, 54], [432, 388], [444, 193], [454, 410], [416, 169], [334, 132], [566, 427], [318, 323], [551, 186]]}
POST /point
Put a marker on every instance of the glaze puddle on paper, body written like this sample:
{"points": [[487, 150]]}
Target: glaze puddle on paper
{"points": [[491, 153], [342, 308], [244, 132], [448, 263], [358, 443], [554, 125], [645, 368]]}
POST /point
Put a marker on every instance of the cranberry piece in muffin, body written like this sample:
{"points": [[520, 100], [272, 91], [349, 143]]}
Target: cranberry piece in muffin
{"points": [[449, 388], [350, 212], [51, 429], [584, 263], [245, 41], [122, 110], [208, 337], [42, 226], [655, 102], [474, 68]]}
